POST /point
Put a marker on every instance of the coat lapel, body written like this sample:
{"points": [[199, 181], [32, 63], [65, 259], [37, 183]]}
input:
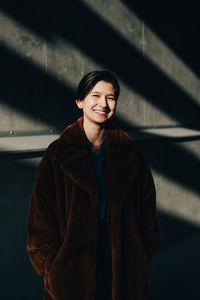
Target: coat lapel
{"points": [[72, 154], [121, 165], [121, 161]]}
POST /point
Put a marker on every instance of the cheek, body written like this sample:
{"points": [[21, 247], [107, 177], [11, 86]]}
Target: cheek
{"points": [[113, 106], [88, 104]]}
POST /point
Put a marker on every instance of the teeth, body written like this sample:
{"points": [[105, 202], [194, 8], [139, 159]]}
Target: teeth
{"points": [[100, 112]]}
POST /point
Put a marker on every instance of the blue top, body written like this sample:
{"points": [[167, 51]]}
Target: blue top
{"points": [[97, 161]]}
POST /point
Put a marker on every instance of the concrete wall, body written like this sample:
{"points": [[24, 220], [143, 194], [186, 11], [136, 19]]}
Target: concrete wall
{"points": [[44, 52]]}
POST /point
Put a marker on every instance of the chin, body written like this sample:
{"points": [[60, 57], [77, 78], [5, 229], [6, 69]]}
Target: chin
{"points": [[102, 120], [98, 120]]}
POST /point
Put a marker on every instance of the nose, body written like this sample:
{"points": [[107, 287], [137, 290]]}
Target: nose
{"points": [[103, 101]]}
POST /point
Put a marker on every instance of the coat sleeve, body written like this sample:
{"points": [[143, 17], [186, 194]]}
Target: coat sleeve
{"points": [[42, 225], [148, 226]]}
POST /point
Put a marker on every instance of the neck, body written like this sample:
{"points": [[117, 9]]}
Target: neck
{"points": [[94, 132]]}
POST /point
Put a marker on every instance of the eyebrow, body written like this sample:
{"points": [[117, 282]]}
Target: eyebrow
{"points": [[97, 92]]}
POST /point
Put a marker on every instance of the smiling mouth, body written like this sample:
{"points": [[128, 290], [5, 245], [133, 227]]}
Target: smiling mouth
{"points": [[99, 112]]}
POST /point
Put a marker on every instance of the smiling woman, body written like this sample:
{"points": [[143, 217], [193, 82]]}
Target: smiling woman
{"points": [[91, 226], [100, 102], [97, 96]]}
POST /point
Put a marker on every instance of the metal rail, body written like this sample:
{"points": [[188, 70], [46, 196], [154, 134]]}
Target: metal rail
{"points": [[32, 145]]}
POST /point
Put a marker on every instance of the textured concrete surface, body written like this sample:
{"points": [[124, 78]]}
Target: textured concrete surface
{"points": [[42, 65], [26, 143]]}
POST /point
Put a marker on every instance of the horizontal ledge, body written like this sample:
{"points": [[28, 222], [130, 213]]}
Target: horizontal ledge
{"points": [[26, 143], [38, 143], [166, 133]]}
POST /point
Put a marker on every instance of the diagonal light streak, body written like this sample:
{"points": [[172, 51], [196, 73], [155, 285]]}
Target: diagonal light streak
{"points": [[35, 49], [149, 44], [186, 207], [170, 64]]}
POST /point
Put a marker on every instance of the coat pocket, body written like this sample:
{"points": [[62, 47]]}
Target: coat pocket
{"points": [[51, 255], [49, 261]]}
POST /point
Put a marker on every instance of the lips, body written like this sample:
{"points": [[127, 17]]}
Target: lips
{"points": [[100, 112]]}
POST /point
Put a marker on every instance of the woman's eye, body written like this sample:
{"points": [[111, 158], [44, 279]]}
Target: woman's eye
{"points": [[95, 95]]}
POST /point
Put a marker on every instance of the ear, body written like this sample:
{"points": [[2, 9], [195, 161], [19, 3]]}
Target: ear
{"points": [[79, 103]]}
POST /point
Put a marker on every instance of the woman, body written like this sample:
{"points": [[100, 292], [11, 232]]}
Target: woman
{"points": [[91, 225]]}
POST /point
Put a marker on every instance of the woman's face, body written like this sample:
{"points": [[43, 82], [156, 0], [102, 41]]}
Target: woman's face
{"points": [[100, 104]]}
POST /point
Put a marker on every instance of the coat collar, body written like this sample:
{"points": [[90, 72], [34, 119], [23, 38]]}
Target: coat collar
{"points": [[121, 159]]}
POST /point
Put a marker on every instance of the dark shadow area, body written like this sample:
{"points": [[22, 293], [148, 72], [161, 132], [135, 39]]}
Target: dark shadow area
{"points": [[132, 67], [18, 278], [173, 228], [174, 270], [20, 155], [174, 161], [37, 94], [176, 23], [169, 157]]}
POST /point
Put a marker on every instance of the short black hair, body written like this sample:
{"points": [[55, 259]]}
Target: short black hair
{"points": [[90, 80]]}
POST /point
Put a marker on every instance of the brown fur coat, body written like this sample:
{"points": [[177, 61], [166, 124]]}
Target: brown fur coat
{"points": [[63, 216]]}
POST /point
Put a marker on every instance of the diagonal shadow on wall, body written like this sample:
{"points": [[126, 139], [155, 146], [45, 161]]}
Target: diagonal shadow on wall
{"points": [[177, 24], [34, 92], [137, 72], [48, 100]]}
